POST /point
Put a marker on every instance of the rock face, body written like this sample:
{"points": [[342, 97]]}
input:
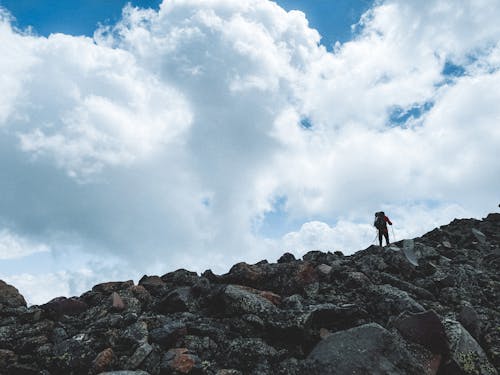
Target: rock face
{"points": [[422, 306]]}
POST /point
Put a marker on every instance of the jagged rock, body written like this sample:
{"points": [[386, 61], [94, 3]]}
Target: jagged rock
{"points": [[238, 300], [467, 357], [479, 236], [178, 300], [248, 353], [357, 280], [179, 360], [139, 356], [324, 269], [168, 334], [10, 296], [113, 286], [286, 258], [425, 329], [368, 349], [153, 284], [269, 318], [135, 334], [117, 303], [181, 277], [389, 300]]}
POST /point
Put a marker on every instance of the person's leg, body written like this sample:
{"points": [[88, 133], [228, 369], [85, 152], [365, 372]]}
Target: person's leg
{"points": [[386, 235], [380, 238]]}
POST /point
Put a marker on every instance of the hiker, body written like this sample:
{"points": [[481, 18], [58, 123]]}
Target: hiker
{"points": [[381, 224]]}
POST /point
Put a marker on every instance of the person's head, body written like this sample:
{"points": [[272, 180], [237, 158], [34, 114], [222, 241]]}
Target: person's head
{"points": [[382, 213]]}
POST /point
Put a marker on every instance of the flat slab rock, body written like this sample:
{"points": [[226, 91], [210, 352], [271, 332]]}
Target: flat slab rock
{"points": [[367, 349]]}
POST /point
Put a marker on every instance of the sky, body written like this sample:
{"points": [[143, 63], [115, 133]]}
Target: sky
{"points": [[138, 138]]}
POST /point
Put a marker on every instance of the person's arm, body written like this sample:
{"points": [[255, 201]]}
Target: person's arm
{"points": [[387, 220]]}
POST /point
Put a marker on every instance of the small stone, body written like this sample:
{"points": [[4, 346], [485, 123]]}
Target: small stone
{"points": [[180, 360], [447, 244], [103, 361], [324, 269]]}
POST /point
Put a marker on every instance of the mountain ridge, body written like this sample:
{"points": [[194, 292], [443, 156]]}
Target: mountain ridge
{"points": [[428, 305]]}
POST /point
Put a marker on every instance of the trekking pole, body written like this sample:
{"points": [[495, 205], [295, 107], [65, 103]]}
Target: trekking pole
{"points": [[376, 234]]}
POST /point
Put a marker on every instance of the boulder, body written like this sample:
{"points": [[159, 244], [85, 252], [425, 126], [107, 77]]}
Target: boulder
{"points": [[238, 300], [10, 296], [178, 300], [466, 355], [425, 329], [287, 258], [389, 300], [112, 286], [367, 349]]}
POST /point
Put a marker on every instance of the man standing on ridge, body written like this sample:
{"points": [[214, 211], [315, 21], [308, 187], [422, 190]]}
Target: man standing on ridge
{"points": [[381, 224]]}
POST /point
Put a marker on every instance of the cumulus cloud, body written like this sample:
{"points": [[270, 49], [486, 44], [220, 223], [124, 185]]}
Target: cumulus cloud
{"points": [[171, 138], [14, 246]]}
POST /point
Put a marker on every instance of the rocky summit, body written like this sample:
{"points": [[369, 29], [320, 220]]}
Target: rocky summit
{"points": [[424, 306]]}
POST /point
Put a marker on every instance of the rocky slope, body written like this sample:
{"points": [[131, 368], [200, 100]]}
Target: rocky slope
{"points": [[422, 306]]}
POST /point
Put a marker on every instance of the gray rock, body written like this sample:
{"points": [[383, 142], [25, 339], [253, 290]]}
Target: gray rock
{"points": [[466, 354], [10, 296], [179, 300], [479, 236], [139, 356], [324, 269], [239, 300], [367, 349], [168, 334], [391, 300]]}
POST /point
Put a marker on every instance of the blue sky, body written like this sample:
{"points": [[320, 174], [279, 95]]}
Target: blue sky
{"points": [[333, 19], [204, 133]]}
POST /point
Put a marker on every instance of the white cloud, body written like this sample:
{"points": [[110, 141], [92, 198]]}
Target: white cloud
{"points": [[14, 246], [168, 138]]}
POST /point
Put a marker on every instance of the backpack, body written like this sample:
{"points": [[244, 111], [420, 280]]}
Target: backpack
{"points": [[379, 222]]}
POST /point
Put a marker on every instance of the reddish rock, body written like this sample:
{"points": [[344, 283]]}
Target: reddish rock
{"points": [[306, 273], [180, 360], [244, 273], [271, 297], [65, 306], [117, 303], [10, 296], [140, 293], [103, 361], [112, 286]]}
